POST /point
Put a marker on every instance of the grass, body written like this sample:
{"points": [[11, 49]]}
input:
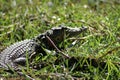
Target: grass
{"points": [[25, 19]]}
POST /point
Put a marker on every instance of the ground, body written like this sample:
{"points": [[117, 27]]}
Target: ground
{"points": [[24, 19]]}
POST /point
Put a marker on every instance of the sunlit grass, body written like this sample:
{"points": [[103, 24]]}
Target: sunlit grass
{"points": [[25, 19]]}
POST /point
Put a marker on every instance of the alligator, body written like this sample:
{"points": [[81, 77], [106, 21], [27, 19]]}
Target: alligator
{"points": [[15, 54]]}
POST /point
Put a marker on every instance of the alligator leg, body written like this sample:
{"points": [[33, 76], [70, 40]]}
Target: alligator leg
{"points": [[21, 61]]}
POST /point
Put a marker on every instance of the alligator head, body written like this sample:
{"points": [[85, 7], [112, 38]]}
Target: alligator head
{"points": [[59, 34]]}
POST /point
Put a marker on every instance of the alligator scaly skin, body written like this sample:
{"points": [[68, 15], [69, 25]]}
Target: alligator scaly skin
{"points": [[11, 55]]}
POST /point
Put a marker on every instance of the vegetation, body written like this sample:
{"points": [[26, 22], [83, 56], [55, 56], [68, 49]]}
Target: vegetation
{"points": [[24, 19]]}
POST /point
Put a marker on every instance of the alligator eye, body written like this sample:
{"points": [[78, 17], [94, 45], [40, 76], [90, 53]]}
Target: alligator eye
{"points": [[57, 38]]}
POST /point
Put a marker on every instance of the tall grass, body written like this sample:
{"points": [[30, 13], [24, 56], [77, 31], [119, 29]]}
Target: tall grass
{"points": [[25, 19]]}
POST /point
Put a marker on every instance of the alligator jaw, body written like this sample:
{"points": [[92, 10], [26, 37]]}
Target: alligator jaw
{"points": [[71, 32]]}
